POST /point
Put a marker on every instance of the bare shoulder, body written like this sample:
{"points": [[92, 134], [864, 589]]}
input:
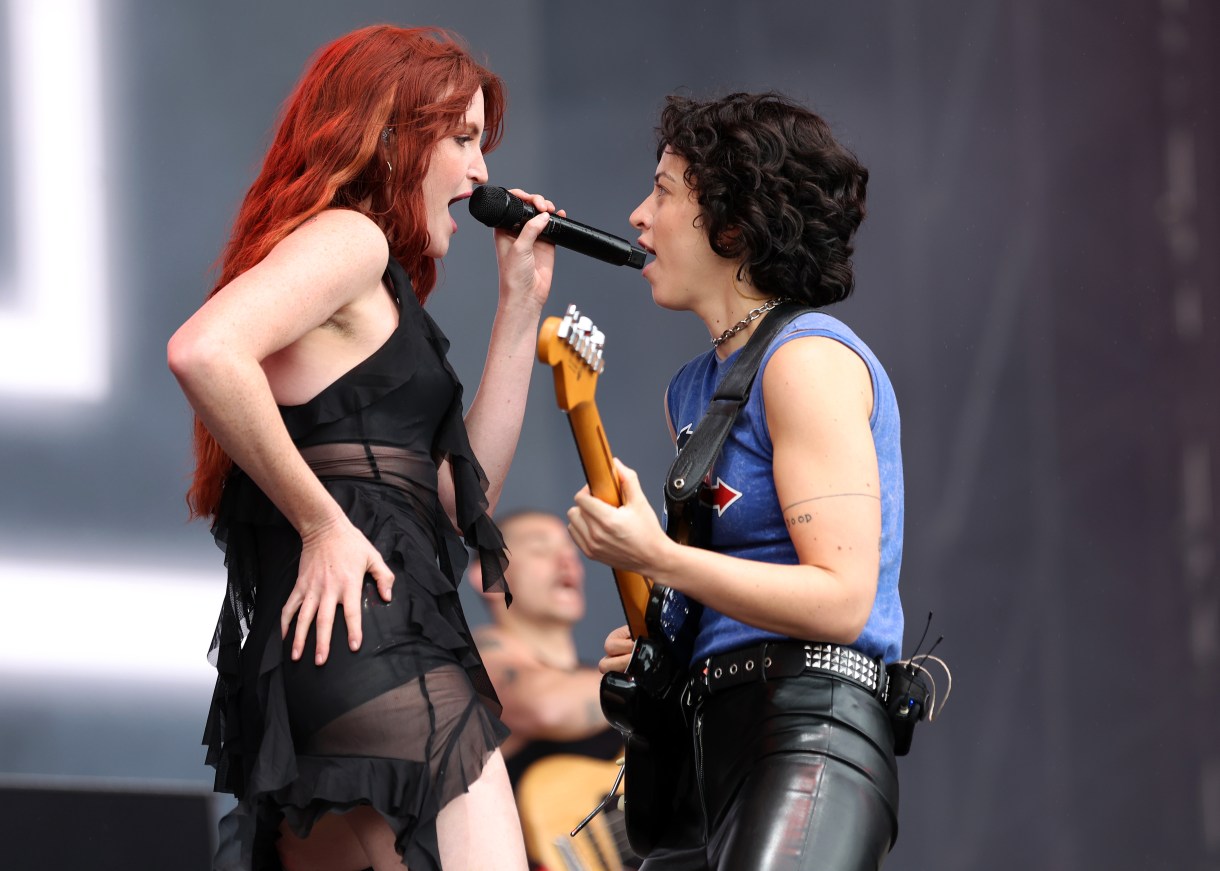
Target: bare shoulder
{"points": [[328, 262], [493, 642], [337, 237], [503, 650], [346, 222], [817, 370], [798, 355]]}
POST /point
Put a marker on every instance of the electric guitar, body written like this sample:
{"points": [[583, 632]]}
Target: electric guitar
{"points": [[644, 703]]}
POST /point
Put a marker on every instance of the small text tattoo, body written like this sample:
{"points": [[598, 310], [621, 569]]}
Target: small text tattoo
{"points": [[797, 519]]}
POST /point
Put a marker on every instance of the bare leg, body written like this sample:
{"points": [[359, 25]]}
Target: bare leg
{"points": [[400, 724], [480, 829], [376, 839], [331, 846]]}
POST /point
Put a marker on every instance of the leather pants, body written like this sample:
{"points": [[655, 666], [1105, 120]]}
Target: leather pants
{"points": [[792, 774]]}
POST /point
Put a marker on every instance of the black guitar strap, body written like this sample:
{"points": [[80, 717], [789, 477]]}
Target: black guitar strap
{"points": [[694, 462]]}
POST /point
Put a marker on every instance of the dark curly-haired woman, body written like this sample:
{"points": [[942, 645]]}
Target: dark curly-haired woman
{"points": [[792, 759]]}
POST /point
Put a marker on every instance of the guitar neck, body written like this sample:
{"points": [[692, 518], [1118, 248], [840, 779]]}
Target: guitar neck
{"points": [[598, 463]]}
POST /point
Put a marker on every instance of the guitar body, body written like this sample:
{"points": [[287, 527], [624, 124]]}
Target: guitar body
{"points": [[645, 703], [551, 797], [657, 749]]}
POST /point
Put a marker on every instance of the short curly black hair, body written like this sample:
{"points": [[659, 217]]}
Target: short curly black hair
{"points": [[774, 188]]}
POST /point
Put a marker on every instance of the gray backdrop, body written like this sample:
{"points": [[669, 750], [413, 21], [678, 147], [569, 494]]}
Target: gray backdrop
{"points": [[1038, 273]]}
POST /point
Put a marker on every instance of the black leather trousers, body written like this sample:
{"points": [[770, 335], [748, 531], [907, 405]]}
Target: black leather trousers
{"points": [[793, 774]]}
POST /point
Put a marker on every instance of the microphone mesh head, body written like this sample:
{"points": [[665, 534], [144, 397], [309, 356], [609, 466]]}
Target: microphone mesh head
{"points": [[496, 207]]}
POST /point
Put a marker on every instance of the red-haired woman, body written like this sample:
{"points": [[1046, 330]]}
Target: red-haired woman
{"points": [[352, 717]]}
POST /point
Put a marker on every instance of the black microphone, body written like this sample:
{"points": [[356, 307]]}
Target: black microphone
{"points": [[496, 207]]}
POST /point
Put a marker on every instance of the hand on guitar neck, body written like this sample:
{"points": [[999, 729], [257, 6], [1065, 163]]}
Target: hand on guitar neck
{"points": [[572, 347], [626, 535]]}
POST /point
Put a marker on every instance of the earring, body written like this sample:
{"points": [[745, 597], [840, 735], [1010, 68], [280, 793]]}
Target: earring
{"points": [[389, 166]]}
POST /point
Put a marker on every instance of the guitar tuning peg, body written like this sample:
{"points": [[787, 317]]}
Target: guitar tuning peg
{"points": [[565, 325], [584, 325], [598, 338]]}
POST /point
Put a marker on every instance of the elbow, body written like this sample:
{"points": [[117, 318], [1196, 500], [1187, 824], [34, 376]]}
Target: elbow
{"points": [[191, 357], [843, 621], [853, 625], [181, 353], [857, 608], [843, 629]]}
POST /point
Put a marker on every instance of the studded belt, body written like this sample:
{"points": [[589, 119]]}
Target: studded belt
{"points": [[776, 659]]}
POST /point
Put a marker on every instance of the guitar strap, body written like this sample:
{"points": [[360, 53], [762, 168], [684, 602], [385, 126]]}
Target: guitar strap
{"points": [[694, 462]]}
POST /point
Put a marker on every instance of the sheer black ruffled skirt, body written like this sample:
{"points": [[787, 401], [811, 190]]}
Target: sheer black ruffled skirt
{"points": [[404, 724]]}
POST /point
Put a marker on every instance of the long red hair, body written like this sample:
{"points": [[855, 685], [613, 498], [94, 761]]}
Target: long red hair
{"points": [[331, 150]]}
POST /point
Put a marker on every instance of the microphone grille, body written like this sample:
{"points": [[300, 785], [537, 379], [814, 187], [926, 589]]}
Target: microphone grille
{"points": [[496, 207]]}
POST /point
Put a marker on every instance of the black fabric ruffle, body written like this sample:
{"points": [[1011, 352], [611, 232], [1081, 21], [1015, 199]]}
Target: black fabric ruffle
{"points": [[453, 444], [250, 734]]}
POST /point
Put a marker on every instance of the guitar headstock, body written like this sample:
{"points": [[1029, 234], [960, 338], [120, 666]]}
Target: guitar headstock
{"points": [[572, 347]]}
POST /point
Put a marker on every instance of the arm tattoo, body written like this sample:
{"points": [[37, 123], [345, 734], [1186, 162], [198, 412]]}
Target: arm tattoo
{"points": [[830, 496], [799, 519]]}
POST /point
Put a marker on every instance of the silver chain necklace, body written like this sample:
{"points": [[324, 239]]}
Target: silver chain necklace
{"points": [[751, 316]]}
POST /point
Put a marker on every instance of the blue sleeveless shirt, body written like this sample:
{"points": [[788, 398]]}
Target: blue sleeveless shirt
{"points": [[740, 511]]}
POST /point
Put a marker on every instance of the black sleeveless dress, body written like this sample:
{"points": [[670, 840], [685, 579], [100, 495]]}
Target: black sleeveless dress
{"points": [[406, 723]]}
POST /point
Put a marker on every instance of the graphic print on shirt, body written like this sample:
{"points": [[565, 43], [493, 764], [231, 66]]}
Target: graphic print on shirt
{"points": [[683, 437], [720, 495]]}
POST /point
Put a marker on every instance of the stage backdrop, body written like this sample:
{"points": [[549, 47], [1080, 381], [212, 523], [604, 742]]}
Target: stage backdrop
{"points": [[1038, 272]]}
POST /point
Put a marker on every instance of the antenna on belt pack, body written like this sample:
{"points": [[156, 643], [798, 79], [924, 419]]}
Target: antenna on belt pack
{"points": [[907, 698]]}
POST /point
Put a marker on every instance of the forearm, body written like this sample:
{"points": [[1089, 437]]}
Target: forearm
{"points": [[550, 706], [801, 601], [494, 418]]}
